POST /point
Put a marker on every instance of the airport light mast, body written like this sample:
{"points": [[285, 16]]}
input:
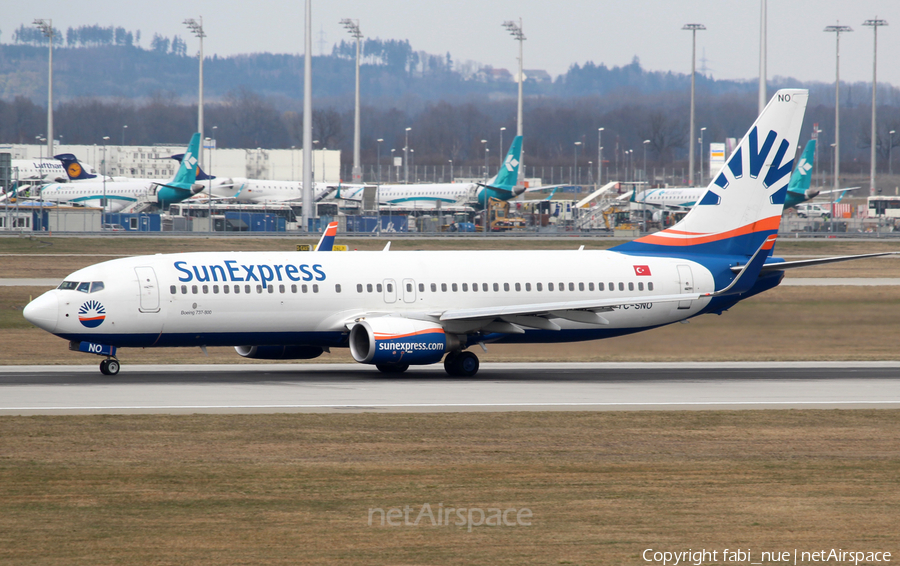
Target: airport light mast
{"points": [[197, 29], [46, 27], [516, 31], [406, 157], [307, 198], [693, 28], [762, 56], [838, 30], [599, 156], [874, 24], [353, 27]]}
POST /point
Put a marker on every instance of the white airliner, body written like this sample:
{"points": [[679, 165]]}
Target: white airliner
{"points": [[396, 309], [259, 191], [122, 194], [39, 170]]}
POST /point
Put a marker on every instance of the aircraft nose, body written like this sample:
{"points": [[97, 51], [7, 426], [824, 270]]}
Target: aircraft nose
{"points": [[43, 312]]}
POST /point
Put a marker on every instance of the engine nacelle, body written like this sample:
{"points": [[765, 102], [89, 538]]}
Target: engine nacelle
{"points": [[396, 340], [279, 352]]}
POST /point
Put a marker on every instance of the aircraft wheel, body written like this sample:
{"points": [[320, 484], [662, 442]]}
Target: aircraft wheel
{"points": [[112, 367], [392, 368], [451, 364], [467, 364], [104, 367]]}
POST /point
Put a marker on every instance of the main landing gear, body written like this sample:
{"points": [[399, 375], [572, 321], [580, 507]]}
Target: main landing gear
{"points": [[109, 366], [461, 364]]}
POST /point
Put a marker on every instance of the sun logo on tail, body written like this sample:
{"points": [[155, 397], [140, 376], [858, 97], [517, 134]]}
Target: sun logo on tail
{"points": [[91, 314]]}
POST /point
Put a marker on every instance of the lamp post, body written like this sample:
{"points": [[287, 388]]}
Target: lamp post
{"points": [[124, 127], [209, 185], [501, 146], [197, 29], [599, 155], [46, 27], [891, 147], [516, 31], [701, 154], [451, 169], [816, 156], [412, 161], [874, 24], [391, 164], [378, 158], [352, 26], [484, 143], [103, 200], [406, 157], [378, 188], [838, 30], [693, 28], [645, 142], [575, 169]]}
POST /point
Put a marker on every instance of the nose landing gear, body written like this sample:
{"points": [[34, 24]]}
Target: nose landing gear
{"points": [[109, 366], [461, 364]]}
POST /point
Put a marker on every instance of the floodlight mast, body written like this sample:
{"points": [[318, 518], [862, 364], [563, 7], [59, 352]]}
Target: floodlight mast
{"points": [[352, 26], [763, 98], [46, 27], [693, 28], [874, 24], [838, 30], [516, 31], [308, 204], [197, 29]]}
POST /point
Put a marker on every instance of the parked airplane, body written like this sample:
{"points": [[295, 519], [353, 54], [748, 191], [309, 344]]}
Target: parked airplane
{"points": [[396, 309], [122, 194], [798, 191], [44, 170]]}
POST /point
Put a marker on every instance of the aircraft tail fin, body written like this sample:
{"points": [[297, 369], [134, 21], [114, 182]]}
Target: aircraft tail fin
{"points": [[326, 244], [201, 174], [182, 185], [508, 175], [802, 175], [742, 206], [74, 168]]}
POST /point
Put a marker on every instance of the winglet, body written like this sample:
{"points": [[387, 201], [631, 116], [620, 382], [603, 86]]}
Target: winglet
{"points": [[750, 272], [326, 244]]}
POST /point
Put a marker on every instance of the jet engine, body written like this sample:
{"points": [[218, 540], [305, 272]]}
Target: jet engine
{"points": [[396, 340], [279, 352]]}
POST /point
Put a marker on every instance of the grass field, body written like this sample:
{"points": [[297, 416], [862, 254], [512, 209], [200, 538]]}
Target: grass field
{"points": [[297, 489]]}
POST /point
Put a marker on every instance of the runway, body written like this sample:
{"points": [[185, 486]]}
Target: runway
{"points": [[329, 388]]}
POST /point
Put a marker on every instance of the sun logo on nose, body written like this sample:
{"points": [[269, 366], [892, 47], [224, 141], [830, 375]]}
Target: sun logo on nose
{"points": [[91, 314]]}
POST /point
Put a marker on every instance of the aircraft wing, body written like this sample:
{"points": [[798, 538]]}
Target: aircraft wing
{"points": [[820, 193]]}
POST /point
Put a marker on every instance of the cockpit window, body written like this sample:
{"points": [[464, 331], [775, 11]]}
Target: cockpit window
{"points": [[96, 286], [68, 285], [84, 287]]}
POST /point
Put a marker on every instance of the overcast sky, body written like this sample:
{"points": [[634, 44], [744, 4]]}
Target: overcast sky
{"points": [[559, 32]]}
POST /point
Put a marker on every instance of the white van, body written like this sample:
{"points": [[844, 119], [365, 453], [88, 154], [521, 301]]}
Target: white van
{"points": [[811, 210]]}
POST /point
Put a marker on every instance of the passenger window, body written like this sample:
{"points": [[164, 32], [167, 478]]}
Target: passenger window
{"points": [[630, 286], [562, 286], [96, 286], [621, 286], [337, 287], [434, 287], [528, 286], [84, 287], [649, 286], [194, 289], [304, 288], [409, 287], [378, 287], [225, 289], [539, 287], [215, 289], [369, 287], [571, 286], [359, 287], [454, 287], [591, 286], [422, 287], [173, 289], [293, 288], [247, 289], [281, 288], [549, 286], [206, 289], [475, 287], [640, 286], [237, 289], [506, 286], [390, 287], [315, 288], [184, 289], [443, 287], [612, 286], [484, 287], [465, 287], [518, 286], [259, 289], [581, 286]]}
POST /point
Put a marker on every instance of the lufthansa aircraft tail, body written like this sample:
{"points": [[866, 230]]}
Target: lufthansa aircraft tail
{"points": [[503, 185], [74, 168], [182, 185], [741, 210]]}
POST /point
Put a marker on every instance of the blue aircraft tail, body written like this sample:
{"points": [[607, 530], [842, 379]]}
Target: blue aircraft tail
{"points": [[182, 185], [742, 207], [74, 169]]}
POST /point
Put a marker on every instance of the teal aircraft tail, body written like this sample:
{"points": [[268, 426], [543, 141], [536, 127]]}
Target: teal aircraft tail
{"points": [[182, 185], [503, 185], [798, 188]]}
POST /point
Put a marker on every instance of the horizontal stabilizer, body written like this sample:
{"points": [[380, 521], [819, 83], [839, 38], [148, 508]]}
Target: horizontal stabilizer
{"points": [[781, 266]]}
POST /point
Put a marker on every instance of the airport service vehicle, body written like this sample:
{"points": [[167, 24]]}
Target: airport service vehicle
{"points": [[398, 309], [812, 210], [123, 194], [798, 191]]}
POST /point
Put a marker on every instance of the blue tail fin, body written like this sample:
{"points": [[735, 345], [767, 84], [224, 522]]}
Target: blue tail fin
{"points": [[182, 185], [326, 243], [74, 169], [742, 206]]}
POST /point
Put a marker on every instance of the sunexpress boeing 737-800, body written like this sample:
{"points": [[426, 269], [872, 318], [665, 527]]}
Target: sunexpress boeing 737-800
{"points": [[396, 309]]}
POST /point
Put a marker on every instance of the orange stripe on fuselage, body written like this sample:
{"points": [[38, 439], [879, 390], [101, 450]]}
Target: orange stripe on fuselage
{"points": [[771, 223]]}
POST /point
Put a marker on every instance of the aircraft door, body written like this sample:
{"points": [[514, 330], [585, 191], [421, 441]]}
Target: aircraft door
{"points": [[390, 291], [686, 277], [409, 291], [148, 288]]}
